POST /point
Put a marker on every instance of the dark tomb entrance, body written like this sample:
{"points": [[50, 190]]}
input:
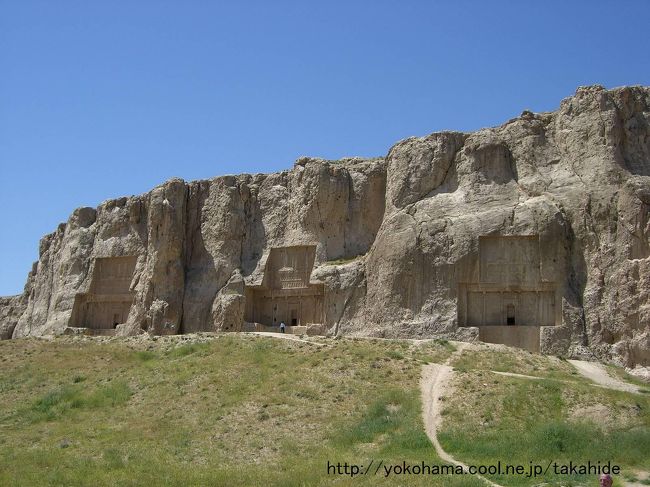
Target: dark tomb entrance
{"points": [[510, 314]]}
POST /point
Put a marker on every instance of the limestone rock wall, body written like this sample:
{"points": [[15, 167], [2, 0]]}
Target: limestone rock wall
{"points": [[196, 242], [11, 309], [577, 177], [396, 238]]}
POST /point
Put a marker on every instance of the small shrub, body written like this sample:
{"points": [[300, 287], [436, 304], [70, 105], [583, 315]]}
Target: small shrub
{"points": [[61, 401], [113, 458], [145, 355], [115, 393], [185, 350], [55, 403]]}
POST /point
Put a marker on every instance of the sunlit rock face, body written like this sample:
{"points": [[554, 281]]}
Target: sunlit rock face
{"points": [[534, 234]]}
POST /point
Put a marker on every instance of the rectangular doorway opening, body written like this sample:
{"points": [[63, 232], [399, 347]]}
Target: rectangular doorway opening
{"points": [[294, 317], [510, 315]]}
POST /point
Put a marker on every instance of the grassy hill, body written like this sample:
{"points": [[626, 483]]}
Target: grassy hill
{"points": [[249, 410], [560, 417]]}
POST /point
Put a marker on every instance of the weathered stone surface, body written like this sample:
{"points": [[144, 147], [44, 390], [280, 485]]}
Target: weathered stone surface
{"points": [[397, 238], [11, 308]]}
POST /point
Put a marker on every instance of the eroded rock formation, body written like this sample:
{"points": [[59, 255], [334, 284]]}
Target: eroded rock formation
{"points": [[404, 245]]}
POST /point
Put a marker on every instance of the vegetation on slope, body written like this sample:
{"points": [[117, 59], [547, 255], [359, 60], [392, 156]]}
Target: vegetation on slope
{"points": [[236, 410], [248, 410], [561, 417]]}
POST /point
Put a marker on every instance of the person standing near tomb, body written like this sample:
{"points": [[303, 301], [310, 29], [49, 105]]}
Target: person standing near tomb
{"points": [[282, 326]]}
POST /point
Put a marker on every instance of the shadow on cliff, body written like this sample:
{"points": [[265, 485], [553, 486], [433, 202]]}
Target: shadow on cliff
{"points": [[200, 270], [573, 311]]}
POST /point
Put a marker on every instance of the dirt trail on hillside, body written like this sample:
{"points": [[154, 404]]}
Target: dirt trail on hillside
{"points": [[434, 384], [590, 370], [598, 373]]}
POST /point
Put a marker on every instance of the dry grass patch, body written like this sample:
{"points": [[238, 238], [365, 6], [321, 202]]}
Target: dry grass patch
{"points": [[505, 359], [230, 410]]}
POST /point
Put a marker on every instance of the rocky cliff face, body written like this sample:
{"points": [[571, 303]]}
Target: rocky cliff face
{"points": [[398, 239]]}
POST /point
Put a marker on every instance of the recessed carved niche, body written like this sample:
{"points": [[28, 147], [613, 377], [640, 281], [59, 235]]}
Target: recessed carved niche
{"points": [[109, 300], [286, 293], [509, 292]]}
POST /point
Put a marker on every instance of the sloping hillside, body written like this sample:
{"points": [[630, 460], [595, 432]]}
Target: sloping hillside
{"points": [[239, 409]]}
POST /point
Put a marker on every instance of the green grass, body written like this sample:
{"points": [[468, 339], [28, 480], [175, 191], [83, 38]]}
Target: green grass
{"points": [[67, 399], [395, 355], [385, 415], [145, 355], [184, 350], [239, 411], [492, 418], [622, 374], [242, 410], [516, 361]]}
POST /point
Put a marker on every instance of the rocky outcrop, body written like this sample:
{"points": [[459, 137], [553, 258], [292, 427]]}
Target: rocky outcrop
{"points": [[11, 308], [398, 239]]}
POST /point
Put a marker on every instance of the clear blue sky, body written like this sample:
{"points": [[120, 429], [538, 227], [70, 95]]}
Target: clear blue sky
{"points": [[100, 99]]}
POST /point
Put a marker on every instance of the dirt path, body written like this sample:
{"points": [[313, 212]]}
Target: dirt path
{"points": [[642, 479], [592, 371], [434, 384], [598, 373]]}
